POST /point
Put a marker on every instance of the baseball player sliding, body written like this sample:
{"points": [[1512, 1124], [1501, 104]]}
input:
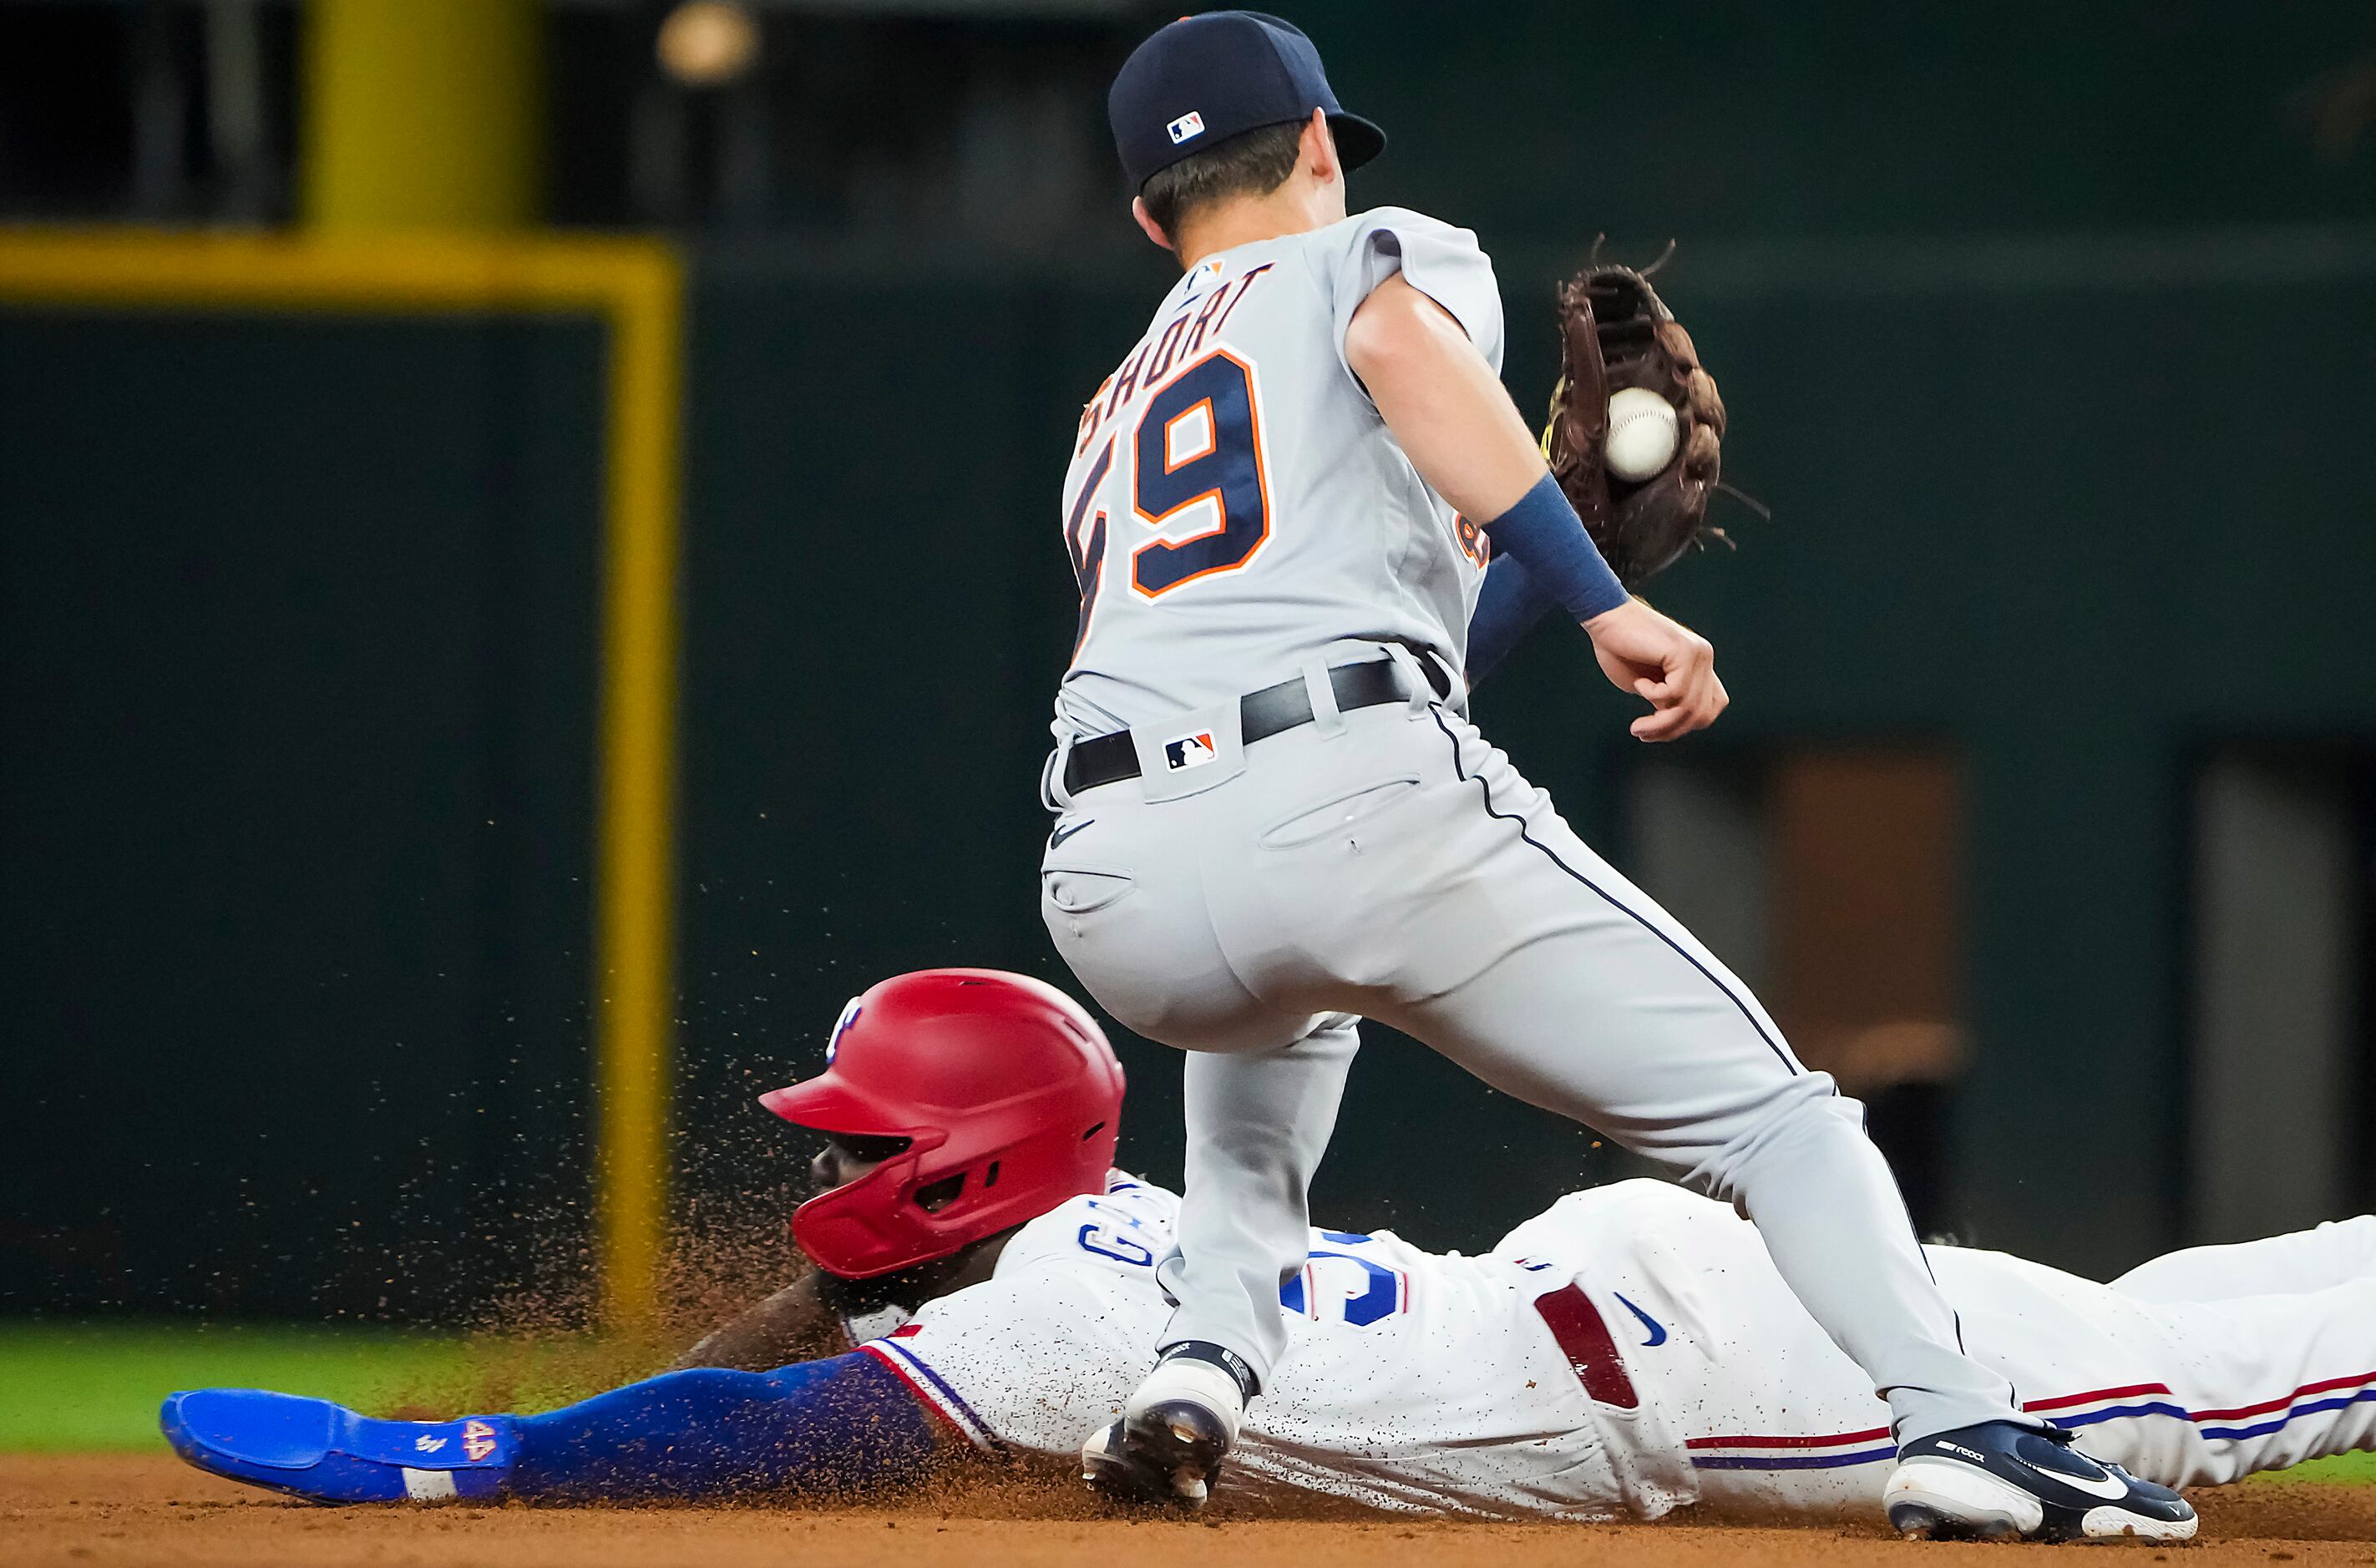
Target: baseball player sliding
{"points": [[1275, 818], [1629, 1351]]}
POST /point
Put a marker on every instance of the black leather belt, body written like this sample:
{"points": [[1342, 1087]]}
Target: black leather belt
{"points": [[1110, 759]]}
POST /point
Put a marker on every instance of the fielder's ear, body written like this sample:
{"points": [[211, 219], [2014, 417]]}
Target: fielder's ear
{"points": [[1147, 224], [1319, 150]]}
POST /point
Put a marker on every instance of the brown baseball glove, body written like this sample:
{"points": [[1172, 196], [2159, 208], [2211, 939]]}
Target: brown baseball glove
{"points": [[1617, 333]]}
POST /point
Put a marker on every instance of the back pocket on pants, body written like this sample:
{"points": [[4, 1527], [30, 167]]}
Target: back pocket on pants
{"points": [[1338, 813]]}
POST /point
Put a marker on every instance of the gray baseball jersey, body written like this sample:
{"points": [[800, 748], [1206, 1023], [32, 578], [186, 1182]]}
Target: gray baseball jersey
{"points": [[1240, 516], [1235, 504]]}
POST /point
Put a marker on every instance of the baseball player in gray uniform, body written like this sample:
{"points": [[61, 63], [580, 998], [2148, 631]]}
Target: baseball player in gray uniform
{"points": [[1284, 509]]}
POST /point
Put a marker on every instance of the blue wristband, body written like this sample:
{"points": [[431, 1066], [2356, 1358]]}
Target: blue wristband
{"points": [[1543, 534]]}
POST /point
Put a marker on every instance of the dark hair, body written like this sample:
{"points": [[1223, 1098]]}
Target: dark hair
{"points": [[1254, 163]]}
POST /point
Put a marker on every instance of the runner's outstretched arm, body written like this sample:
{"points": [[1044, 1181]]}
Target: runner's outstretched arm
{"points": [[844, 1424]]}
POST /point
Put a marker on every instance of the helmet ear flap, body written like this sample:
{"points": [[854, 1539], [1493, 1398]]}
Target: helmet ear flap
{"points": [[934, 1196]]}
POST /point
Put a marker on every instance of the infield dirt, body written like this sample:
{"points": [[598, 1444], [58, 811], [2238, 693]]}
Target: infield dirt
{"points": [[102, 1510]]}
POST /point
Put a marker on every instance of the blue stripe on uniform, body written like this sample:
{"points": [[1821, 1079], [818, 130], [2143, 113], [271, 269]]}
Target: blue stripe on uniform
{"points": [[1797, 1461], [2114, 1412], [2363, 1396]]}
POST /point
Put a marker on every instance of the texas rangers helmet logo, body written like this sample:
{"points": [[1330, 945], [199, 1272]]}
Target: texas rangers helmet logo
{"points": [[1188, 751], [840, 1027], [1189, 124]]}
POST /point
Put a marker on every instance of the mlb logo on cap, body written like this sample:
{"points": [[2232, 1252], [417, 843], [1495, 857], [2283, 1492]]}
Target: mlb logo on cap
{"points": [[1188, 751], [1189, 124]]}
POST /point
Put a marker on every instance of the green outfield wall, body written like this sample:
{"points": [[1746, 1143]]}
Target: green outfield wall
{"points": [[297, 698]]}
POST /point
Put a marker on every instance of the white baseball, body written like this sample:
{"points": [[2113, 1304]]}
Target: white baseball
{"points": [[1641, 434]]}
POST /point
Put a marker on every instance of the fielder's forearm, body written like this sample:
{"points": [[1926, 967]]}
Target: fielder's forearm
{"points": [[1562, 564]]}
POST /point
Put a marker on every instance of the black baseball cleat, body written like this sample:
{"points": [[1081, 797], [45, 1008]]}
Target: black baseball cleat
{"points": [[2002, 1481], [1175, 1431]]}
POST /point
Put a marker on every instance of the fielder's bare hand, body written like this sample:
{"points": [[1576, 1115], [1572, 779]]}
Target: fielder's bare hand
{"points": [[1662, 661]]}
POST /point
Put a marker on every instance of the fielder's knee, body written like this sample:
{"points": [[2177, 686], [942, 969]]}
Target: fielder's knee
{"points": [[1793, 1118]]}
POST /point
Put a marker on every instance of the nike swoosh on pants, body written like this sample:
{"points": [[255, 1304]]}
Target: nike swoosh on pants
{"points": [[1658, 1330]]}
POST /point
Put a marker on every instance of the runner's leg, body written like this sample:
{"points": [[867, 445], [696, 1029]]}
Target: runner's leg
{"points": [[2184, 1393], [2306, 1260]]}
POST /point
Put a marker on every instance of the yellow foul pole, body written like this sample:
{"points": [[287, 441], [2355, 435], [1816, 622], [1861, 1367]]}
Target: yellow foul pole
{"points": [[423, 114], [635, 895]]}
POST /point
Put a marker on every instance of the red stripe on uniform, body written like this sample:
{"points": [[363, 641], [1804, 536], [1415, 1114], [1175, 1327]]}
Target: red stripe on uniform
{"points": [[2130, 1390], [2070, 1399], [1876, 1434], [2328, 1387], [1879, 1434], [923, 1396]]}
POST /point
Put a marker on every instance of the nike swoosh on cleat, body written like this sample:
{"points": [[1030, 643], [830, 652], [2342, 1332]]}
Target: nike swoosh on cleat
{"points": [[1060, 834], [1658, 1330], [2111, 1488]]}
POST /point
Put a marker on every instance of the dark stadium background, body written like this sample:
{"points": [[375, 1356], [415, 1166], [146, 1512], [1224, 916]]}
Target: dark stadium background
{"points": [[2046, 810]]}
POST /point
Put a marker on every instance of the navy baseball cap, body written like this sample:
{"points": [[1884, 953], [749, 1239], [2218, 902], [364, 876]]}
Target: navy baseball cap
{"points": [[1203, 79]]}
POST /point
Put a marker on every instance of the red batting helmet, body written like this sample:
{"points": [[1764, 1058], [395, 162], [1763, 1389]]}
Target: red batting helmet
{"points": [[1005, 1090]]}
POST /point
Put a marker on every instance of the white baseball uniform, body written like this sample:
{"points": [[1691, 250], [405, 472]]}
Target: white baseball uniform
{"points": [[1632, 1350]]}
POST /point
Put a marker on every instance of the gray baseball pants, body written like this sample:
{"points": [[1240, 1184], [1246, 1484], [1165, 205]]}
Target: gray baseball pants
{"points": [[1389, 863]]}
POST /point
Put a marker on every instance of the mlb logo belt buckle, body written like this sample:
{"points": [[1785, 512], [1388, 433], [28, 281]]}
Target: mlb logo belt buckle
{"points": [[1108, 759], [1189, 751]]}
